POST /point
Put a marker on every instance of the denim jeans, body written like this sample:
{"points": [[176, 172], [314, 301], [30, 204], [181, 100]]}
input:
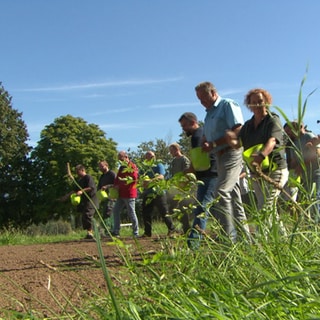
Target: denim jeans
{"points": [[129, 203], [229, 209], [204, 197]]}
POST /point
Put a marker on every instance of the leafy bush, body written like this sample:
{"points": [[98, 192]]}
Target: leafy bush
{"points": [[51, 228]]}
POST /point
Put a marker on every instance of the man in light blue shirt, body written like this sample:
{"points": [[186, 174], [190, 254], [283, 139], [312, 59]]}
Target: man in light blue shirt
{"points": [[224, 114]]}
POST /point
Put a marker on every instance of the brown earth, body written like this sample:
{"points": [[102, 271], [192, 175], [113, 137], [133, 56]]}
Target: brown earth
{"points": [[47, 278]]}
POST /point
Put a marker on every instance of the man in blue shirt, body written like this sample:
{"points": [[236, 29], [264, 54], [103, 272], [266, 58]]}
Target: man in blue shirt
{"points": [[224, 114]]}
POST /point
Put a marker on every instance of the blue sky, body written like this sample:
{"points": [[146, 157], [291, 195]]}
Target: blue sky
{"points": [[131, 66]]}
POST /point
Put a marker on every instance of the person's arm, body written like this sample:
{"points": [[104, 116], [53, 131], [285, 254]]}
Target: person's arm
{"points": [[159, 172], [232, 139], [84, 190], [267, 149], [186, 164], [312, 151], [66, 196], [316, 141]]}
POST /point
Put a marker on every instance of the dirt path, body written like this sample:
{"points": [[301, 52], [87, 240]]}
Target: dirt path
{"points": [[44, 277]]}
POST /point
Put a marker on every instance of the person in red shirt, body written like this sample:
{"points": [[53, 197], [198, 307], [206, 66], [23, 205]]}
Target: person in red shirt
{"points": [[126, 183]]}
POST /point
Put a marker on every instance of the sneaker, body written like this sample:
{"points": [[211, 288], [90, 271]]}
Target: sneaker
{"points": [[115, 235], [89, 236]]}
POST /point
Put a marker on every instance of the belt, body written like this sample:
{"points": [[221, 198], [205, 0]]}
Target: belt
{"points": [[223, 151]]}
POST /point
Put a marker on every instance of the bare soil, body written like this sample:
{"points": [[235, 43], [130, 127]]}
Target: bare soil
{"points": [[48, 278]]}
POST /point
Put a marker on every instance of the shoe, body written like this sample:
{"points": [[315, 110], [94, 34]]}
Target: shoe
{"points": [[145, 236], [89, 236], [115, 235], [172, 233]]}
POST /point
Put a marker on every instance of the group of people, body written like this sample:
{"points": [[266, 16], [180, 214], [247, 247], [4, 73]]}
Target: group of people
{"points": [[224, 139], [125, 183]]}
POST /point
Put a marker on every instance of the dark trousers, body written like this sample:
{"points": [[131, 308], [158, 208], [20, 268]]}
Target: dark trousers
{"points": [[149, 202], [87, 215]]}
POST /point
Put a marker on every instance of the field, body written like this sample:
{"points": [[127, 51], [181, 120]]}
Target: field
{"points": [[159, 278], [51, 277]]}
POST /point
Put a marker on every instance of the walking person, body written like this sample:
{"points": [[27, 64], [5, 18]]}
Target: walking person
{"points": [[126, 183], [106, 180], [263, 132], [207, 175], [86, 189], [224, 114], [151, 198], [304, 145], [179, 164]]}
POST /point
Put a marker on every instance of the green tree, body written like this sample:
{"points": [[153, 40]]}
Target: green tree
{"points": [[67, 140], [14, 163], [185, 144]]}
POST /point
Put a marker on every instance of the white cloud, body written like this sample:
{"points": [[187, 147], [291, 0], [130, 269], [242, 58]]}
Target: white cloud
{"points": [[133, 82], [173, 105], [113, 111]]}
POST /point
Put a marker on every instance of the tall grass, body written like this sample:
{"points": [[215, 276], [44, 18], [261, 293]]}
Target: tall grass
{"points": [[273, 279], [277, 278]]}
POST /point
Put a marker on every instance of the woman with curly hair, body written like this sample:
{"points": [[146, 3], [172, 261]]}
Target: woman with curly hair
{"points": [[264, 151]]}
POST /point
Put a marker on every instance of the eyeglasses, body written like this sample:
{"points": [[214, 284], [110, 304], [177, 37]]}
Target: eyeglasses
{"points": [[257, 105]]}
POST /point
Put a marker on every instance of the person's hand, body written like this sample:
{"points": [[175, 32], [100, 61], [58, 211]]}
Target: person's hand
{"points": [[146, 182], [231, 138], [207, 147], [257, 159]]}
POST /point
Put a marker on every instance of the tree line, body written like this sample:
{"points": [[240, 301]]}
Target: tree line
{"points": [[32, 179]]}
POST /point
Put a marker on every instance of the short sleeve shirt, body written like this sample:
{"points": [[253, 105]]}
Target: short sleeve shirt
{"points": [[87, 182], [223, 115], [269, 127], [179, 165]]}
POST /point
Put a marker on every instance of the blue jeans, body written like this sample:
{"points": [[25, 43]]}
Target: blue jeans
{"points": [[229, 210], [129, 203], [204, 196]]}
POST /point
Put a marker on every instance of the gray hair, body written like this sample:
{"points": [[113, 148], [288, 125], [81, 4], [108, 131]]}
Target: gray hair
{"points": [[206, 86]]}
